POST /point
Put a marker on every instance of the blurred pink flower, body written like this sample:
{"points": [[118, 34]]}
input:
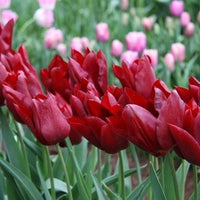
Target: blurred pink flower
{"points": [[178, 51], [4, 4], [102, 32], [76, 44], [147, 23], [116, 48], [153, 54], [198, 17], [185, 18], [129, 56], [136, 41], [52, 38], [169, 61], [189, 29], [61, 47], [124, 4], [44, 18], [47, 4], [7, 15], [176, 7], [85, 43]]}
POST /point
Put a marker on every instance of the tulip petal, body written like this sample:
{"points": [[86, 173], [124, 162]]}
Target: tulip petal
{"points": [[186, 144]]}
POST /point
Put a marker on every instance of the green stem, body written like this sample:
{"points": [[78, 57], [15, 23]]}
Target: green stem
{"points": [[20, 133], [53, 194], [171, 163], [65, 172], [135, 157], [121, 176], [26, 25], [99, 166], [183, 180], [194, 167]]}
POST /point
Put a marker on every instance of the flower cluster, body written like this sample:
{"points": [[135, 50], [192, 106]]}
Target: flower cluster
{"points": [[78, 102]]}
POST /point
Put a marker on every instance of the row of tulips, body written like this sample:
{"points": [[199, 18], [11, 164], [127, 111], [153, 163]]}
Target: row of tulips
{"points": [[78, 102]]}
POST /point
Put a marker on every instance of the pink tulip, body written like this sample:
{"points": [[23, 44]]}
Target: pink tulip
{"points": [[185, 19], [7, 15], [124, 4], [76, 44], [116, 48], [169, 61], [176, 7], [102, 32], [178, 51], [136, 41], [61, 47], [47, 4], [129, 56], [44, 18], [189, 29], [4, 4], [153, 54], [52, 38], [85, 43], [147, 23], [198, 17]]}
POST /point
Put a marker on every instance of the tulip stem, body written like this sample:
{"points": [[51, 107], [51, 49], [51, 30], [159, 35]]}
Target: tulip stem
{"points": [[171, 163], [121, 176], [194, 167], [99, 166], [65, 172], [53, 193]]}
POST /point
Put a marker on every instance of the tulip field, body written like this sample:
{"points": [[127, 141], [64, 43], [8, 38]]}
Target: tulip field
{"points": [[99, 100]]}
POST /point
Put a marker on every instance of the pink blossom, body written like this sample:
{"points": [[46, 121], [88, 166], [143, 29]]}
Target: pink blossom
{"points": [[47, 4], [76, 44], [44, 18], [178, 51], [4, 4], [102, 32], [147, 23], [176, 7], [61, 47], [189, 29], [185, 19], [169, 61], [129, 56], [116, 48], [52, 38], [153, 54], [198, 17], [7, 15], [124, 4], [85, 43], [136, 41]]}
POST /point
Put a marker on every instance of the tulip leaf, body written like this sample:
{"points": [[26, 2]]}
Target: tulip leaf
{"points": [[2, 185], [110, 193], [99, 191], [12, 146], [26, 184], [156, 186], [43, 184], [139, 192]]}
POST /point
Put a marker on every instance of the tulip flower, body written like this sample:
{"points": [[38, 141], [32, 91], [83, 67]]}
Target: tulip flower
{"points": [[129, 56], [189, 30], [102, 32], [184, 18], [4, 4], [169, 61], [153, 55], [44, 18], [178, 51], [176, 7], [47, 4], [116, 48], [7, 15], [147, 23], [136, 41], [124, 4], [138, 76]]}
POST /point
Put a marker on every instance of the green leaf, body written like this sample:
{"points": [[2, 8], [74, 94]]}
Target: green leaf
{"points": [[100, 192], [43, 183], [139, 192], [156, 186], [27, 185], [2, 185], [110, 193]]}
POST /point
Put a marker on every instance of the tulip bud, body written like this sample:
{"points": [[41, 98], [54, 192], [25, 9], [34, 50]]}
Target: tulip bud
{"points": [[169, 61], [47, 4], [198, 17], [178, 51], [116, 48], [129, 56], [102, 32], [153, 54], [61, 47], [147, 23], [189, 30], [4, 4], [176, 7], [7, 15], [124, 4], [185, 19]]}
